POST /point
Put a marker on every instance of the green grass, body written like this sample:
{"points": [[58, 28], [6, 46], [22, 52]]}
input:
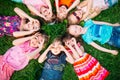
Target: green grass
{"points": [[33, 70]]}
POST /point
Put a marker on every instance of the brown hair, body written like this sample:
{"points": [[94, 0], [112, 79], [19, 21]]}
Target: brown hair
{"points": [[68, 36]]}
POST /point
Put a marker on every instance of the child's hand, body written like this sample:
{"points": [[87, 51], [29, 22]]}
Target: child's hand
{"points": [[40, 45], [61, 48], [73, 41], [35, 35], [34, 30], [79, 7], [114, 52], [68, 45]]}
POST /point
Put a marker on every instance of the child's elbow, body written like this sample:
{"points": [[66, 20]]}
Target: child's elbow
{"points": [[14, 42], [40, 61], [14, 34], [16, 8]]}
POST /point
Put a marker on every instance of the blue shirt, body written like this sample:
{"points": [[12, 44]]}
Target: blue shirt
{"points": [[18, 1], [95, 32], [54, 66]]}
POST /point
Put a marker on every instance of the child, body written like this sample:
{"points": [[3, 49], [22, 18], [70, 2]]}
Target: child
{"points": [[41, 8], [18, 25], [55, 57], [17, 57], [98, 31], [86, 67], [64, 6], [89, 9]]}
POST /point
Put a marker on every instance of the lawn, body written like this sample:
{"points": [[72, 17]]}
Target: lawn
{"points": [[33, 70]]}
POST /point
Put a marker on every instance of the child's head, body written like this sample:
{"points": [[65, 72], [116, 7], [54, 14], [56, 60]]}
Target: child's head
{"points": [[75, 17], [75, 30], [45, 11], [37, 40], [31, 25], [56, 46], [62, 12], [70, 40]]}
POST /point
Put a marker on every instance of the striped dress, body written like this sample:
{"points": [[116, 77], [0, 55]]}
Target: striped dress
{"points": [[88, 68]]}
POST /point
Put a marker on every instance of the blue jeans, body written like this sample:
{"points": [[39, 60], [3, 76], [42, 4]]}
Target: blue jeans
{"points": [[50, 75], [115, 37]]}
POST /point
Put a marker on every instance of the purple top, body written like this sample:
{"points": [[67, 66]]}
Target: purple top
{"points": [[9, 24]]}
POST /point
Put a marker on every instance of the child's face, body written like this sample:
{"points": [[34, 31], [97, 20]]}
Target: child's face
{"points": [[36, 41], [62, 14], [32, 25], [62, 9], [75, 17], [45, 12], [75, 30], [70, 41], [56, 47]]}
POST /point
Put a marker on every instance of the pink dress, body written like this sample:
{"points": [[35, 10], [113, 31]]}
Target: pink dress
{"points": [[14, 59], [35, 3]]}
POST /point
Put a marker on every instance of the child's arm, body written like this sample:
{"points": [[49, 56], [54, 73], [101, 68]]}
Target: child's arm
{"points": [[22, 33], [74, 4], [57, 5], [32, 9], [35, 52], [22, 14], [43, 56], [114, 52], [50, 7], [21, 40], [106, 23], [94, 14], [78, 49], [69, 58], [89, 6], [49, 4], [75, 53]]}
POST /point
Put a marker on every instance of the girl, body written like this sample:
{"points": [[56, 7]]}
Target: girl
{"points": [[64, 6], [86, 67], [55, 57], [98, 31], [41, 8], [17, 57], [89, 9], [18, 25]]}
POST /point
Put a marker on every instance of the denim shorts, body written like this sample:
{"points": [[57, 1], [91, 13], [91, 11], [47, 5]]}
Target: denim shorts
{"points": [[115, 37]]}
